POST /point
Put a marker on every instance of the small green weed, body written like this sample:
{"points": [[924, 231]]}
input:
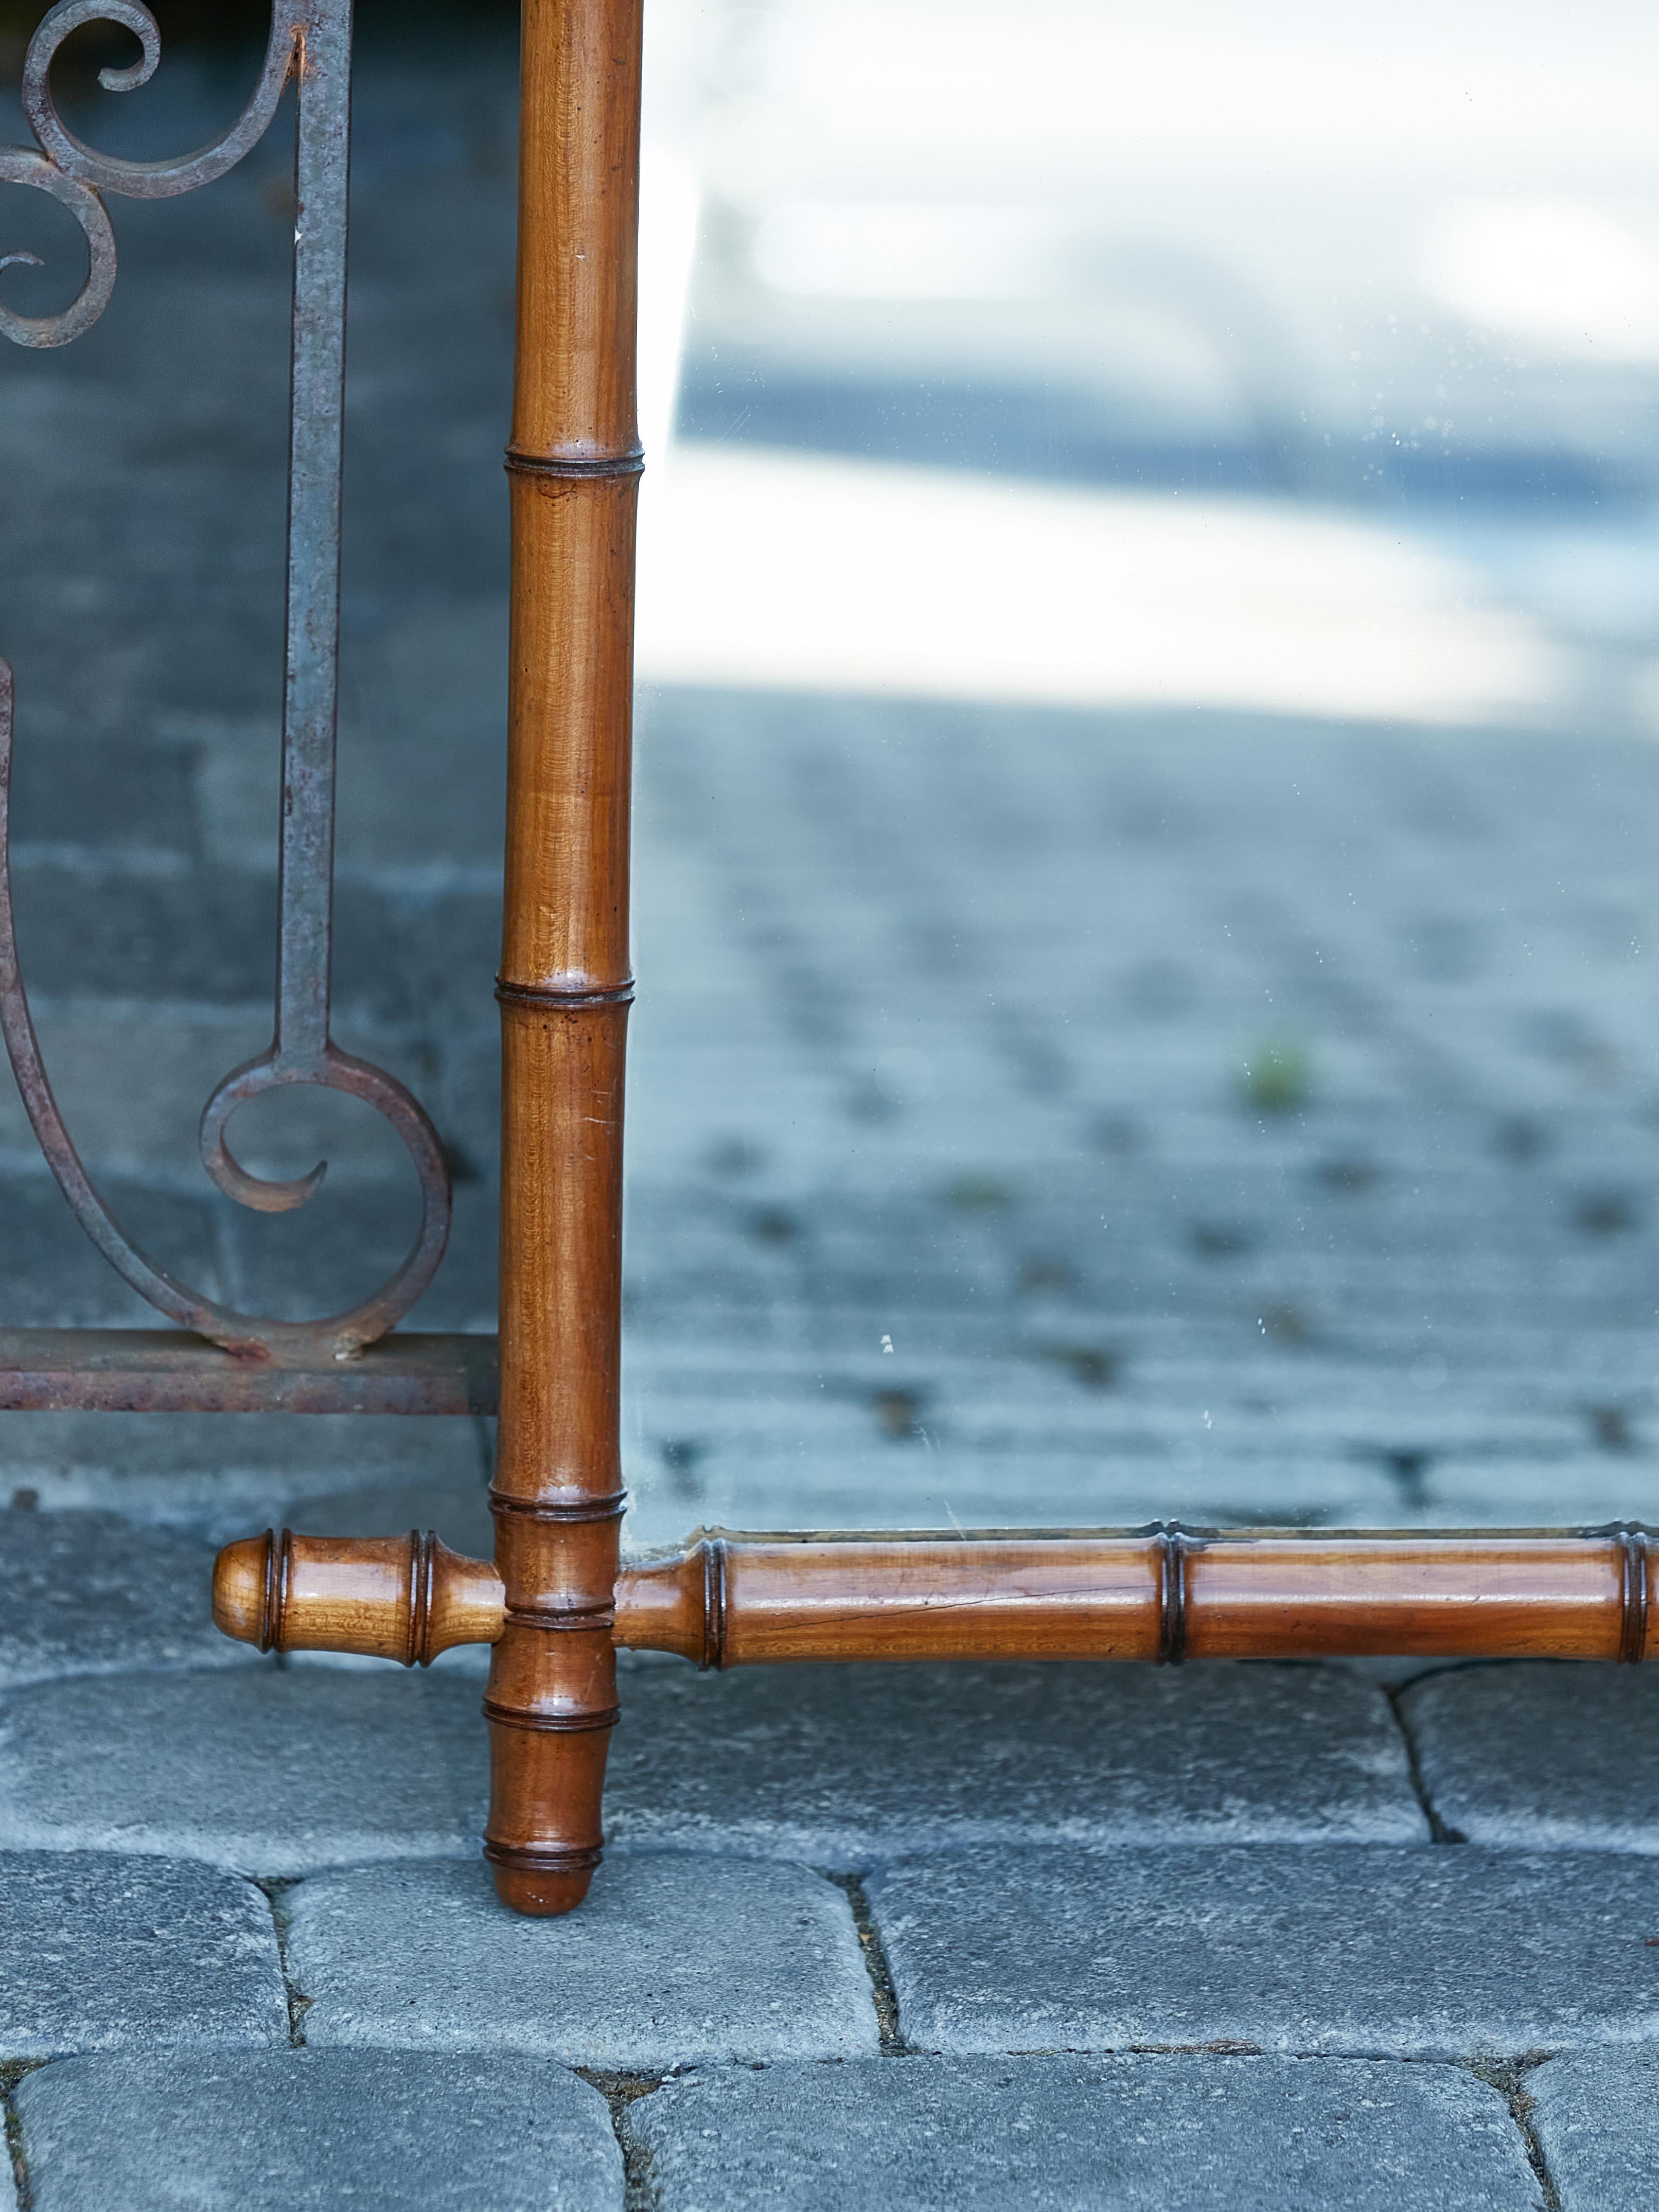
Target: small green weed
{"points": [[1276, 1076]]}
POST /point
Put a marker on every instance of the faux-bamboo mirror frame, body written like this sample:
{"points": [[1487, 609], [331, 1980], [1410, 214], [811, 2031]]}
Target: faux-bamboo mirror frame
{"points": [[558, 1601]]}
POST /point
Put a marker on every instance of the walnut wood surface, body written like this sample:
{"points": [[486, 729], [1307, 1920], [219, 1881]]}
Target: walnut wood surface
{"points": [[398, 1597], [732, 1600], [564, 982], [742, 1600]]}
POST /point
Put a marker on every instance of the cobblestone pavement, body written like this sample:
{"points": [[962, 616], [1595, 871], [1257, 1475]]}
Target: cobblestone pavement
{"points": [[1036, 1117]]}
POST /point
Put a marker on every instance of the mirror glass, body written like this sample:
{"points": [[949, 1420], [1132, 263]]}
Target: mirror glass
{"points": [[1148, 736], [1151, 680]]}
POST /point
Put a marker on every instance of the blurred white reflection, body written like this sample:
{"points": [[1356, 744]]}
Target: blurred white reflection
{"points": [[1297, 357], [900, 251], [1562, 274], [669, 202], [765, 568]]}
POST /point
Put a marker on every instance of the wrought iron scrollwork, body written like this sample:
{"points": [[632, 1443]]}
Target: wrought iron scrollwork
{"points": [[309, 40]]}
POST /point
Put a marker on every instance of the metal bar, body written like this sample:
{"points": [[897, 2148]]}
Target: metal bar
{"points": [[310, 671], [137, 1370]]}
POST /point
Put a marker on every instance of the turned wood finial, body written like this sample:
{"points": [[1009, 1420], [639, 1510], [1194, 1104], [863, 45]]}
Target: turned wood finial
{"points": [[397, 1597]]}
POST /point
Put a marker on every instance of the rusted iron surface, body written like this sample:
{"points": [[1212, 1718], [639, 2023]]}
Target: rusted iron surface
{"points": [[310, 39], [141, 1370], [76, 175]]}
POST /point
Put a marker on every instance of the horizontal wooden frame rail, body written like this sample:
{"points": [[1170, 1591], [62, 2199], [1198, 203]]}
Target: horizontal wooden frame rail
{"points": [[1161, 1594]]}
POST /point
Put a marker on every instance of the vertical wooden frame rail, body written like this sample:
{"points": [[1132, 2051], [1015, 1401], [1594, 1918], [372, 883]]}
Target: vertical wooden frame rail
{"points": [[565, 986]]}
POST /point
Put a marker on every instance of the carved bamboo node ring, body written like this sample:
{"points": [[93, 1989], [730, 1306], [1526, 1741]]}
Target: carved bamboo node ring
{"points": [[1173, 1544], [562, 1512], [572, 1619], [279, 1560], [543, 1882], [713, 1604], [422, 1563], [554, 1724], [577, 467], [544, 1861], [552, 998], [1632, 1541]]}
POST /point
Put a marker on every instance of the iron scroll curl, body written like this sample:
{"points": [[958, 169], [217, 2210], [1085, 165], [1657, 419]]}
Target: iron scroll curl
{"points": [[76, 175], [309, 39]]}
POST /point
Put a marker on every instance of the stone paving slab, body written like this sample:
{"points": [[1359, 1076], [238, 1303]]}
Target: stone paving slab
{"points": [[845, 1765], [98, 1951], [262, 1770], [1070, 2133], [1596, 2114], [274, 1771], [1367, 1950], [312, 2131], [1543, 1755], [88, 1594], [673, 1956]]}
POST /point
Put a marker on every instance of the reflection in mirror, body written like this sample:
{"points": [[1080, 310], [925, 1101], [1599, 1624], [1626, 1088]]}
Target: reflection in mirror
{"points": [[1148, 624]]}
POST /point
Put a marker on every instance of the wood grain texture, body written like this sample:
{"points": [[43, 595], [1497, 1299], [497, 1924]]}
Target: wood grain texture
{"points": [[732, 1600], [565, 985], [406, 1598]]}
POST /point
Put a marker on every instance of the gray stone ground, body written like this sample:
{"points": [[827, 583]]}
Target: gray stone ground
{"points": [[1215, 1116]]}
